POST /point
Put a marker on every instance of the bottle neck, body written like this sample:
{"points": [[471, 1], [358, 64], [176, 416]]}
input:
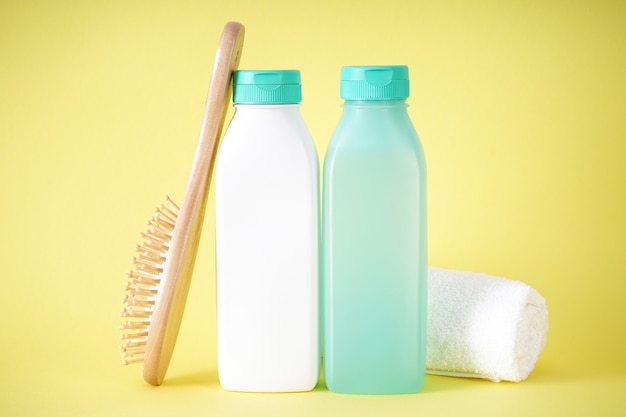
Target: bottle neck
{"points": [[363, 104]]}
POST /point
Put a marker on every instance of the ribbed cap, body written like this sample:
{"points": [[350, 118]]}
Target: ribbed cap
{"points": [[386, 82], [267, 87]]}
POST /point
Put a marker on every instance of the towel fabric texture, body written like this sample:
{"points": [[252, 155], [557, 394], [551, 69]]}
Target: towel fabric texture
{"points": [[483, 326]]}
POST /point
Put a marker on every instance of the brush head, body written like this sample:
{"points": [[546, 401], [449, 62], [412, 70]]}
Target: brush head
{"points": [[151, 335], [142, 285]]}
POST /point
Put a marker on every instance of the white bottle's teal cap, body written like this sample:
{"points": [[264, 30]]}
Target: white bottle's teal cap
{"points": [[267, 87], [384, 82]]}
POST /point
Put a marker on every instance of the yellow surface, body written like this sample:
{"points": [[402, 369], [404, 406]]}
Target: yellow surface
{"points": [[521, 108]]}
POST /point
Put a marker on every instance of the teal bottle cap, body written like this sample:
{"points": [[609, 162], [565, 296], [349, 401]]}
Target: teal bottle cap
{"points": [[267, 87], [384, 82]]}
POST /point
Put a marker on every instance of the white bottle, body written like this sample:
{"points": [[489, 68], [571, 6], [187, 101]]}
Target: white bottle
{"points": [[267, 232]]}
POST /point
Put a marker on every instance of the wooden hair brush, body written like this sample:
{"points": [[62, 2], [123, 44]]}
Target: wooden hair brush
{"points": [[158, 284]]}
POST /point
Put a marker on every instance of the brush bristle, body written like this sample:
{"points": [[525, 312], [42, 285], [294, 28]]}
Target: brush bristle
{"points": [[142, 284]]}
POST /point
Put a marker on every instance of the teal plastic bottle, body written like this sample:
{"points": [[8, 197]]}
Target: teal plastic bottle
{"points": [[374, 239]]}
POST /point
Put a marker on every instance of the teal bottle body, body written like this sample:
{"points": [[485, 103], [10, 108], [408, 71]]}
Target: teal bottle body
{"points": [[374, 251]]}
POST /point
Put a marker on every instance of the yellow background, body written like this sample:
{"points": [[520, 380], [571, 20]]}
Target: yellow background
{"points": [[521, 108]]}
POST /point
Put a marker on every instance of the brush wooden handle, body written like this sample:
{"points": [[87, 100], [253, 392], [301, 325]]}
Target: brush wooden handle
{"points": [[181, 256]]}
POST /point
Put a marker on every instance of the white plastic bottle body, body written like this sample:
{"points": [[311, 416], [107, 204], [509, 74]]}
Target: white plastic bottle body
{"points": [[267, 234]]}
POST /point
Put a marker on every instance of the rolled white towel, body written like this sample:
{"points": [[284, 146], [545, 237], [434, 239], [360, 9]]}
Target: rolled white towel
{"points": [[483, 326]]}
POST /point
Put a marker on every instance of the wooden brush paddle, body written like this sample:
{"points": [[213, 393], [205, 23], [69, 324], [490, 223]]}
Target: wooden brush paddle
{"points": [[158, 284]]}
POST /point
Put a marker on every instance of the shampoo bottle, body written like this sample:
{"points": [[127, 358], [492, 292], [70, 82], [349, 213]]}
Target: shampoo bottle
{"points": [[374, 239], [267, 227]]}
